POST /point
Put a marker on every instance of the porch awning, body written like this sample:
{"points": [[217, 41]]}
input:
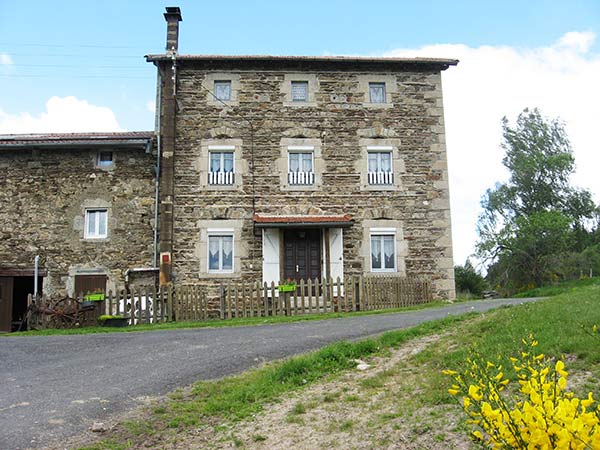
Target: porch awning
{"points": [[325, 221]]}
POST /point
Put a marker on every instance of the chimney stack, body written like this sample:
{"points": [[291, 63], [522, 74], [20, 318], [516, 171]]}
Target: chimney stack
{"points": [[173, 17]]}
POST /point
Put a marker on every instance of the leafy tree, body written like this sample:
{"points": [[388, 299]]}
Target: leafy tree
{"points": [[468, 280], [537, 214]]}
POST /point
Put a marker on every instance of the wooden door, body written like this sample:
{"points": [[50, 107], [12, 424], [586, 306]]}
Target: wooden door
{"points": [[6, 303], [302, 254], [85, 284]]}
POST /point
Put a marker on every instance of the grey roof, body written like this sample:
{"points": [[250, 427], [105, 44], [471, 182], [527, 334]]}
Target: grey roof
{"points": [[117, 139], [358, 61]]}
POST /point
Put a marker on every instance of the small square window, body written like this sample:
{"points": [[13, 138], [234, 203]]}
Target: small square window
{"points": [[96, 224], [377, 92], [299, 91], [105, 159], [223, 90], [220, 253], [383, 253]]}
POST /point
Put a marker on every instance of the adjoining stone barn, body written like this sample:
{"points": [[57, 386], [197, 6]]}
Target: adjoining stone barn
{"points": [[83, 203]]}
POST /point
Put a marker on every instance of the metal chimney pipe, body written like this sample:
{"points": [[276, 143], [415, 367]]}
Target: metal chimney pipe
{"points": [[173, 17]]}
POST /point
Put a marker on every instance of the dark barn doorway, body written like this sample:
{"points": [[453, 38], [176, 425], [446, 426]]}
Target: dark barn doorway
{"points": [[14, 291]]}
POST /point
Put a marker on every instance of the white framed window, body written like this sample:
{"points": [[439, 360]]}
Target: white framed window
{"points": [[299, 91], [221, 164], [223, 90], [379, 165], [301, 165], [104, 159], [377, 92], [383, 250], [96, 224], [220, 251]]}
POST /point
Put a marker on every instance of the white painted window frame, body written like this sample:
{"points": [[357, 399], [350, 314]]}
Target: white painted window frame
{"points": [[220, 232], [378, 84], [389, 176], [302, 149], [223, 82], [221, 149], [383, 232], [105, 164], [304, 83], [96, 215]]}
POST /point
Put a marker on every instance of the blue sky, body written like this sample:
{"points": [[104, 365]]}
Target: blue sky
{"points": [[94, 50], [78, 65]]}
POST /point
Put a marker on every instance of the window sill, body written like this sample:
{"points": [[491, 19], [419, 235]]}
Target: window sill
{"points": [[380, 187], [300, 104], [300, 187], [377, 105], [223, 187], [217, 275]]}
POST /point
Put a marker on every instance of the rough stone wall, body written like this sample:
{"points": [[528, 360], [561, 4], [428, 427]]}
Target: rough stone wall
{"points": [[43, 196], [414, 121]]}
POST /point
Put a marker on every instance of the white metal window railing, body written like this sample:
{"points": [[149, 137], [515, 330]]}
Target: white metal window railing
{"points": [[381, 178], [220, 178], [301, 178]]}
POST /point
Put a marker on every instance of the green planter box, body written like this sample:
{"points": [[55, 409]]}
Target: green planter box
{"points": [[290, 287], [94, 297]]}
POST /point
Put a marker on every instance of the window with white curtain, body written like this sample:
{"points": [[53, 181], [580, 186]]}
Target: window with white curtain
{"points": [[300, 167], [96, 224], [377, 92], [383, 252], [223, 90], [220, 252], [299, 91], [380, 167], [220, 167]]}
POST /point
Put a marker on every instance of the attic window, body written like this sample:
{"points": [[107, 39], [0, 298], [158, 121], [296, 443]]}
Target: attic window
{"points": [[105, 159], [299, 91]]}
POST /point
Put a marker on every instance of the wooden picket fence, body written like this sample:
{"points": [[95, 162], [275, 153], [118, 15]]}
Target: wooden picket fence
{"points": [[358, 293], [135, 306], [237, 299]]}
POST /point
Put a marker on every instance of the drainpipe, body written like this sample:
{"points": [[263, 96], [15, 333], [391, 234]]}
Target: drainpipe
{"points": [[36, 263], [157, 174]]}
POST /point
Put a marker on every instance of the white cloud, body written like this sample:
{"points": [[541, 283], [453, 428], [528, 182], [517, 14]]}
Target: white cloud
{"points": [[62, 115], [5, 59], [495, 81], [151, 106]]}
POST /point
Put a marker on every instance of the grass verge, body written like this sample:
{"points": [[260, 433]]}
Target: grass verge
{"points": [[560, 288], [562, 325], [241, 396], [216, 323]]}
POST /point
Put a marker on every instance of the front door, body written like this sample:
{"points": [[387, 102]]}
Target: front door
{"points": [[302, 254], [6, 300]]}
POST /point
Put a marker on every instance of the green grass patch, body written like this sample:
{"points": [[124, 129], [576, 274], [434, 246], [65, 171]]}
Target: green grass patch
{"points": [[564, 287], [562, 324], [241, 396], [217, 323]]}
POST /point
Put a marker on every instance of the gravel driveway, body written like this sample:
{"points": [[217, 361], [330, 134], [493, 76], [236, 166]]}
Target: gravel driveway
{"points": [[52, 387]]}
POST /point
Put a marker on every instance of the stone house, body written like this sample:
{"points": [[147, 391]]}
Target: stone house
{"points": [[270, 167], [277, 167], [83, 203]]}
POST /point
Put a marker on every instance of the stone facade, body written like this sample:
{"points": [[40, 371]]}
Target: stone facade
{"points": [[340, 124], [46, 193]]}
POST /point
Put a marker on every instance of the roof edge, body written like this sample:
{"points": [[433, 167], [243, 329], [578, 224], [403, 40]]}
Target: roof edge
{"points": [[441, 62]]}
